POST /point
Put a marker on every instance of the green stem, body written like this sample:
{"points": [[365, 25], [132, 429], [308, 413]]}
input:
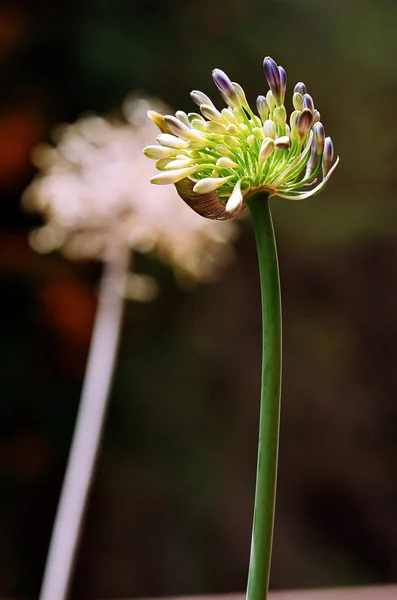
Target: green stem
{"points": [[266, 477]]}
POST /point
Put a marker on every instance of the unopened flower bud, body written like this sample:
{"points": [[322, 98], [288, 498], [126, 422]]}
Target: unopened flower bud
{"points": [[283, 143], [215, 127], [236, 199], [232, 129], [226, 163], [312, 162], [307, 102], [304, 123], [182, 116], [317, 116], [179, 163], [166, 177], [225, 86], [159, 152], [266, 149], [158, 120], [269, 129], [328, 155], [297, 101], [258, 132], [171, 141], [210, 112], [200, 98], [276, 78], [209, 184], [300, 88], [270, 101], [262, 108], [319, 137], [181, 130], [280, 116], [283, 84], [240, 94]]}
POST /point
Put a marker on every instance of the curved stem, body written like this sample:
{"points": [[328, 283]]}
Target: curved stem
{"points": [[88, 431], [265, 493]]}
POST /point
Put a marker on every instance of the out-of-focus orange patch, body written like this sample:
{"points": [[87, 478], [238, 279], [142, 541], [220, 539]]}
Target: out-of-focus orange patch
{"points": [[16, 256], [68, 308], [21, 128]]}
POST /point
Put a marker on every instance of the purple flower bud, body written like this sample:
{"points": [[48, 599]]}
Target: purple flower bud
{"points": [[317, 116], [273, 76], [300, 88], [328, 155], [304, 123], [319, 137], [225, 86], [283, 83], [312, 162], [307, 102], [262, 108]]}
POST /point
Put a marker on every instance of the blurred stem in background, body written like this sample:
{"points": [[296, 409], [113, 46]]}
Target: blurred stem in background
{"points": [[269, 423], [89, 427]]}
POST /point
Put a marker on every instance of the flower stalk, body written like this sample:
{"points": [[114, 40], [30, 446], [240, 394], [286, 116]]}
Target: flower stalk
{"points": [[87, 436], [269, 421], [223, 163]]}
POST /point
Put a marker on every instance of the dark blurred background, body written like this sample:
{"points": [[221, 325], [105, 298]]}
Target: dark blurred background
{"points": [[171, 507]]}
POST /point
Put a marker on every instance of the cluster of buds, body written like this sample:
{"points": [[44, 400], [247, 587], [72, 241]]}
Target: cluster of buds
{"points": [[217, 158]]}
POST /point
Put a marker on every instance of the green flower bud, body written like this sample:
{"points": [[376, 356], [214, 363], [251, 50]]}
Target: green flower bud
{"points": [[297, 101], [270, 101], [280, 116]]}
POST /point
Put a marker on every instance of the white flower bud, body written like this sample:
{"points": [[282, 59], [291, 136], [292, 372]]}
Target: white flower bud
{"points": [[226, 163], [236, 199], [173, 176], [171, 141], [209, 184], [158, 152], [266, 149], [269, 129]]}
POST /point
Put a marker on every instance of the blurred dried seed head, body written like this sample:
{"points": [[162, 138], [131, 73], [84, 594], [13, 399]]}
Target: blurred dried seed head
{"points": [[94, 193]]}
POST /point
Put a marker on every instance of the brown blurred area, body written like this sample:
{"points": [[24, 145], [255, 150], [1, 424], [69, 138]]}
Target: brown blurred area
{"points": [[171, 507]]}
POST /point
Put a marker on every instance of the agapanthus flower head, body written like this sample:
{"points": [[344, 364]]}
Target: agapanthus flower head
{"points": [[216, 159]]}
